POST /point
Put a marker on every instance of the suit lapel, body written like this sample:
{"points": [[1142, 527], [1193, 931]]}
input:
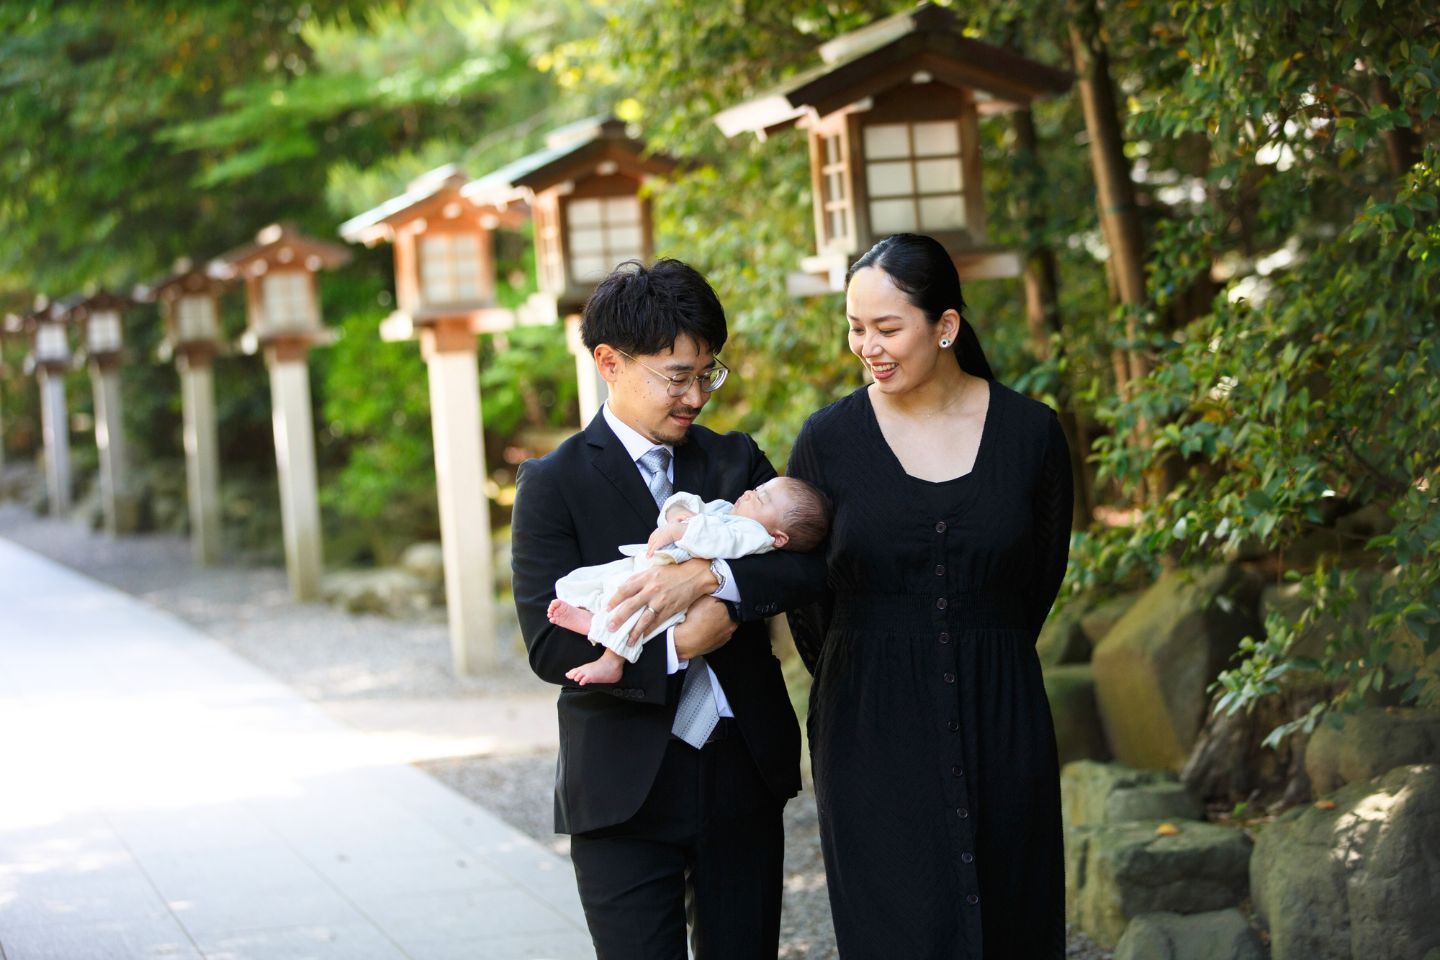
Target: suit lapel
{"points": [[690, 464], [608, 455]]}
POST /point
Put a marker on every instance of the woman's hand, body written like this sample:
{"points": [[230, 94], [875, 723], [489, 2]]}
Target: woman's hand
{"points": [[664, 591], [707, 627]]}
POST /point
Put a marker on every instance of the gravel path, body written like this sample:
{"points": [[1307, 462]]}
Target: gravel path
{"points": [[338, 659]]}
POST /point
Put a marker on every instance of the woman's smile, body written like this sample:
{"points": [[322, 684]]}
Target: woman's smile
{"points": [[882, 370]]}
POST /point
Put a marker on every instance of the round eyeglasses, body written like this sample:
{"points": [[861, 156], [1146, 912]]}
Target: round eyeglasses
{"points": [[679, 385]]}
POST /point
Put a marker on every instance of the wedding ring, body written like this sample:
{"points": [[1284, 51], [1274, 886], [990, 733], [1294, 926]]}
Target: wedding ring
{"points": [[648, 609]]}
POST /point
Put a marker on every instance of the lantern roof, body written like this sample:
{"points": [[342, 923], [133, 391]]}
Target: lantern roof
{"points": [[44, 310], [570, 152], [892, 51], [81, 305], [429, 194], [281, 245], [185, 278]]}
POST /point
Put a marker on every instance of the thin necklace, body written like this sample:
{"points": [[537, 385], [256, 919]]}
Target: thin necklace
{"points": [[959, 395]]}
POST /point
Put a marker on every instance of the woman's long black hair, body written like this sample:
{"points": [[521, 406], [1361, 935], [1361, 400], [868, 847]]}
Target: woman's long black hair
{"points": [[923, 270]]}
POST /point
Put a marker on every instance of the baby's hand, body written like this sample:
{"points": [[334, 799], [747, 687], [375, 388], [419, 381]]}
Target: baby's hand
{"points": [[664, 536], [678, 514]]}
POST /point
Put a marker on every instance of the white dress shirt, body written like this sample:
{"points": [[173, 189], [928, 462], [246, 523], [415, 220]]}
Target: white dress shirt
{"points": [[636, 446]]}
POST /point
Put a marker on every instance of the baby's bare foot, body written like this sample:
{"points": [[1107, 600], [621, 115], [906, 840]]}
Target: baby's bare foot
{"points": [[569, 616], [605, 670]]}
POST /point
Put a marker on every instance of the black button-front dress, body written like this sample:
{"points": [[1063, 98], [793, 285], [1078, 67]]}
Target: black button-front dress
{"points": [[930, 734]]}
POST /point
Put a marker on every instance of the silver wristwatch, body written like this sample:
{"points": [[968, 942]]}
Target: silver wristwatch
{"points": [[719, 577]]}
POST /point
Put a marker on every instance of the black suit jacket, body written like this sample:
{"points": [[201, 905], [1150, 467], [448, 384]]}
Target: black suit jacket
{"points": [[574, 508]]}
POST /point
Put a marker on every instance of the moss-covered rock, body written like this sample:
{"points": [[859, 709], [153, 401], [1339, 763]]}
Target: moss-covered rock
{"points": [[1062, 640], [1371, 742], [1117, 871], [1101, 618], [1218, 935], [1154, 666], [1097, 793], [1078, 734], [1355, 876]]}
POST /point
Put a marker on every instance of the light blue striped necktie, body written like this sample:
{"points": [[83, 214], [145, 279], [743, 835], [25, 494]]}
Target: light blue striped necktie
{"points": [[697, 713]]}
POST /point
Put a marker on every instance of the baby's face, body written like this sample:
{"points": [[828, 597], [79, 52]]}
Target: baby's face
{"points": [[766, 504]]}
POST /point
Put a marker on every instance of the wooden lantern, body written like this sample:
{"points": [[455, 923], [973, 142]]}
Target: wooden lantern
{"points": [[49, 337], [893, 123], [190, 303], [49, 360], [282, 305], [99, 319], [445, 292], [583, 191], [444, 255]]}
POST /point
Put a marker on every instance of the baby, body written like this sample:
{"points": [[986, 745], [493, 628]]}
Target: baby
{"points": [[779, 514]]}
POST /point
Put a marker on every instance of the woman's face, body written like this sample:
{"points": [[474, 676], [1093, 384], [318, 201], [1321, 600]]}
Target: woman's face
{"points": [[890, 334]]}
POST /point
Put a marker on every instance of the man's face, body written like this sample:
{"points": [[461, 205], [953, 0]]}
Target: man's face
{"points": [[640, 397]]}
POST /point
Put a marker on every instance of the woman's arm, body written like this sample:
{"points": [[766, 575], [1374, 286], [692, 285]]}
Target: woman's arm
{"points": [[1054, 506], [810, 622]]}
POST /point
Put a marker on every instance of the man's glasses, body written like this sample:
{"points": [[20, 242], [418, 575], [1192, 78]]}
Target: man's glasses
{"points": [[679, 385]]}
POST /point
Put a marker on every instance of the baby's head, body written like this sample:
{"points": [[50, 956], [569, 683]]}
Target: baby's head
{"points": [[795, 513]]}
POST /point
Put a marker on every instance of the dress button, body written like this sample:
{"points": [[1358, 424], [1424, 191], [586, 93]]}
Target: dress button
{"points": [[972, 899], [940, 527], [941, 604], [949, 678], [939, 569], [962, 813], [957, 771], [967, 857], [944, 638], [954, 725]]}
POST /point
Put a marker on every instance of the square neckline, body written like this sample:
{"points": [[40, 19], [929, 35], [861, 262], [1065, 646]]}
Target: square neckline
{"points": [[980, 450]]}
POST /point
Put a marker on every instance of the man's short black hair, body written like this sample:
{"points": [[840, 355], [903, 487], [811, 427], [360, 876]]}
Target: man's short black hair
{"points": [[644, 310]]}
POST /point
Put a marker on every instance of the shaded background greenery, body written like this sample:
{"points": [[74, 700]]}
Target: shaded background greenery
{"points": [[1283, 153]]}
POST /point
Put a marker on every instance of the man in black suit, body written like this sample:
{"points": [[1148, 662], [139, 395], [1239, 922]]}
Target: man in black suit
{"points": [[671, 817]]}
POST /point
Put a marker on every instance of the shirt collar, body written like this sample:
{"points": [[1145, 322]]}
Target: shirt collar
{"points": [[636, 445]]}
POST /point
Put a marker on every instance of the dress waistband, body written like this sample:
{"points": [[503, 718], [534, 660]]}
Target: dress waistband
{"points": [[906, 611]]}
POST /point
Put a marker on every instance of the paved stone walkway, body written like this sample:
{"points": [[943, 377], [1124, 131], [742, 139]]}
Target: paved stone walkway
{"points": [[161, 798]]}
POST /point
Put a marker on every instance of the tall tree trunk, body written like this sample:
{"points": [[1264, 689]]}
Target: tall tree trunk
{"points": [[1116, 194], [1402, 144], [1042, 310]]}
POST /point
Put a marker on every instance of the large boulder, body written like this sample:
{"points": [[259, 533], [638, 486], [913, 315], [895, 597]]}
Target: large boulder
{"points": [[1153, 668], [1117, 871], [1062, 640], [425, 560], [1357, 875], [388, 591], [1370, 742], [1218, 935], [1095, 793], [1078, 734], [1100, 619]]}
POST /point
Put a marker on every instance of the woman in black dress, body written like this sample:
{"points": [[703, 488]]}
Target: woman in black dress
{"points": [[934, 755]]}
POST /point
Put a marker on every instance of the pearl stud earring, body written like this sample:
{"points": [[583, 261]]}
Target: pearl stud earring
{"points": [[944, 343]]}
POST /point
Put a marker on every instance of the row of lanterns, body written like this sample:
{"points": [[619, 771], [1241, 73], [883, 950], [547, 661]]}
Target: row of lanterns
{"points": [[892, 122]]}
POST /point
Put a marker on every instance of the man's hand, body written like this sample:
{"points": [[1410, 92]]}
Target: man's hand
{"points": [[707, 627], [664, 536], [665, 590]]}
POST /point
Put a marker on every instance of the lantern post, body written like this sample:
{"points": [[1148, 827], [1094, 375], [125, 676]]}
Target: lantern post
{"points": [[445, 297], [189, 302], [99, 319], [284, 321], [50, 360]]}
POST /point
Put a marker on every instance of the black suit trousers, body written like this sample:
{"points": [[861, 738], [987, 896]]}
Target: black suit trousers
{"points": [[707, 845]]}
